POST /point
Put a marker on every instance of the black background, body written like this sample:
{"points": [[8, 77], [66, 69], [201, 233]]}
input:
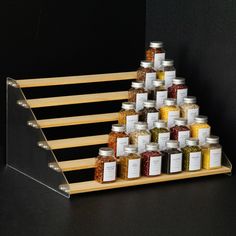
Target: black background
{"points": [[54, 38]]}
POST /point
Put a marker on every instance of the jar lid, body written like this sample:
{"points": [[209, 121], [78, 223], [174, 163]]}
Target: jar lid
{"points": [[190, 99], [158, 82], [179, 80], [141, 125], [137, 84], [212, 139], [172, 144], [160, 124], [106, 151], [128, 105], [152, 147], [146, 64], [149, 103], [168, 62], [131, 149], [200, 119], [180, 121], [192, 141], [118, 128], [156, 44], [170, 101]]}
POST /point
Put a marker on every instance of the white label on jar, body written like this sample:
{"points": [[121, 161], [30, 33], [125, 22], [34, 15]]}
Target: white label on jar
{"points": [[172, 115], [168, 77], [202, 134], [158, 58], [175, 162], [142, 141], [191, 114], [195, 160], [151, 118], [215, 157], [130, 121], [155, 165], [160, 98], [120, 145], [181, 94], [109, 172], [182, 136], [134, 168], [162, 139], [150, 77], [140, 99]]}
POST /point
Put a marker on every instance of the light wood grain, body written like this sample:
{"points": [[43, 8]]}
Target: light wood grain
{"points": [[77, 99], [90, 186], [39, 82], [81, 164]]}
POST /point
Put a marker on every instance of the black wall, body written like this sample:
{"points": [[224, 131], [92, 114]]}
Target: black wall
{"points": [[201, 37]]}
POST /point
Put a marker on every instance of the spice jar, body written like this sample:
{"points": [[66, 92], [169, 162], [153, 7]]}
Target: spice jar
{"points": [[172, 158], [105, 170], [170, 111], [155, 53], [212, 153], [178, 90], [141, 136], [167, 72], [130, 163], [146, 73], [180, 131], [160, 134], [149, 113], [128, 116], [151, 160], [189, 110], [192, 156], [200, 129], [137, 94], [118, 139]]}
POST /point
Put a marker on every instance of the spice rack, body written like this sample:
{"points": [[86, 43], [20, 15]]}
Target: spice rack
{"points": [[30, 153]]}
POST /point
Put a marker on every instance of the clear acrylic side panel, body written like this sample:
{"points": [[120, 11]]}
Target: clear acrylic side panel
{"points": [[23, 152]]}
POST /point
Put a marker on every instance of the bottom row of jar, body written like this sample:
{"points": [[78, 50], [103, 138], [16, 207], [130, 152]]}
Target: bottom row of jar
{"points": [[153, 162]]}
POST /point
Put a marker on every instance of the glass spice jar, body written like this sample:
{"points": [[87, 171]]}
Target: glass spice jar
{"points": [[149, 113], [137, 94], [180, 131], [200, 129], [128, 116], [212, 153], [167, 72], [189, 110], [192, 156], [151, 160], [155, 53], [105, 170], [169, 112], [172, 158], [178, 90], [130, 163], [118, 139], [146, 73], [141, 136]]}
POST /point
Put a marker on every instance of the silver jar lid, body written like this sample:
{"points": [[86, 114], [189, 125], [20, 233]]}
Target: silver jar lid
{"points": [[156, 44], [128, 105], [160, 124], [172, 144], [106, 151], [180, 121], [158, 82], [190, 99], [192, 142], [137, 84], [170, 101], [168, 62], [179, 80], [149, 103], [118, 128], [131, 149], [200, 119], [141, 125], [152, 147], [146, 64], [212, 139]]}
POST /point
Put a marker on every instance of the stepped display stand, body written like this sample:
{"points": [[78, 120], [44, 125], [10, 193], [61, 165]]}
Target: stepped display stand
{"points": [[30, 153]]}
